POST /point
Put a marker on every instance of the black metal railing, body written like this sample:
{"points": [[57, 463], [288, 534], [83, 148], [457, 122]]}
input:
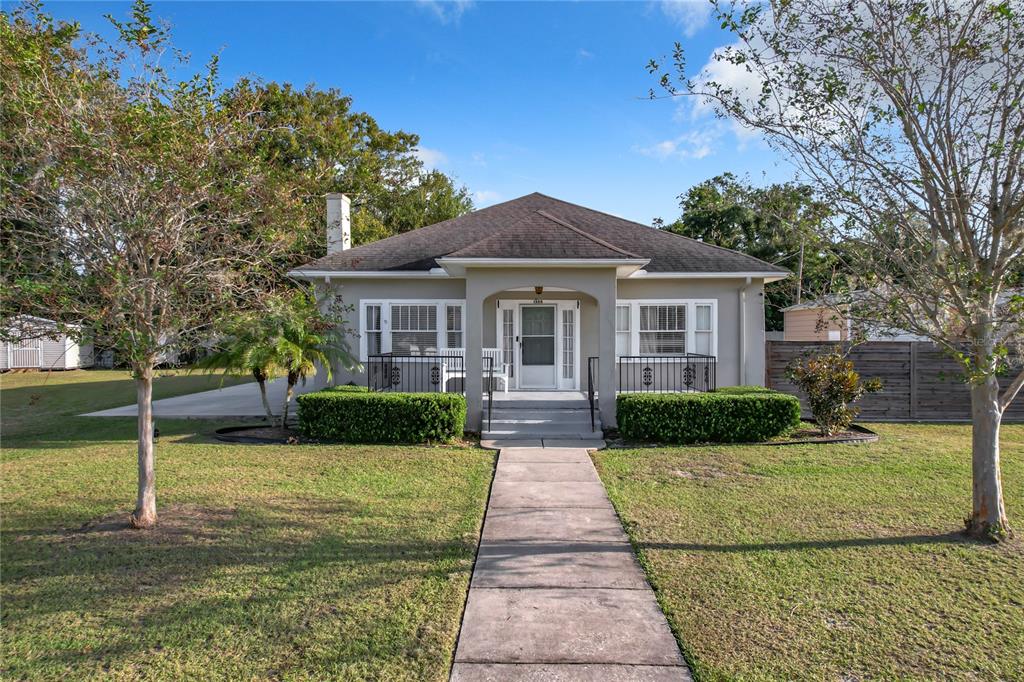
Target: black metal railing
{"points": [[691, 373], [655, 374], [425, 374], [592, 367]]}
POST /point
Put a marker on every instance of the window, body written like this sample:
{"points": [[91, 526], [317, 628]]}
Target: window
{"points": [[453, 325], [373, 330], [413, 329], [568, 343], [702, 331], [622, 329], [404, 327], [656, 327], [507, 334], [662, 329]]}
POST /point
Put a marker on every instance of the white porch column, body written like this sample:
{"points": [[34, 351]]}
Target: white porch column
{"points": [[474, 351], [606, 293]]}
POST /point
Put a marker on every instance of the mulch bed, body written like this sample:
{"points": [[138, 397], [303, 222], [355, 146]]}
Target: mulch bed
{"points": [[807, 435], [259, 435]]}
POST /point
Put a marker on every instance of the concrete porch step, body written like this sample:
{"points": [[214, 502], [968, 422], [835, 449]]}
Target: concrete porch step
{"points": [[540, 404], [543, 429], [505, 412], [530, 434]]}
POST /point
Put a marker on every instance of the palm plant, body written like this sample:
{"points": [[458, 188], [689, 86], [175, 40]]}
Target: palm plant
{"points": [[307, 339], [249, 346]]}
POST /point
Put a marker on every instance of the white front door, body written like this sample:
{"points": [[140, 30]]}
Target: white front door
{"points": [[537, 347]]}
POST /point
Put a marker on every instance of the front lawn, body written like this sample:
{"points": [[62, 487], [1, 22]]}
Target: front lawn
{"points": [[840, 562], [34, 402], [270, 562]]}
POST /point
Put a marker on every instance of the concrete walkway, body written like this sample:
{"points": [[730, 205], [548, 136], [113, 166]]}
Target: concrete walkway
{"points": [[556, 592]]}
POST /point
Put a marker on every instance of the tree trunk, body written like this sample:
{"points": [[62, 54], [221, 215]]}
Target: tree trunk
{"points": [[261, 379], [988, 518], [292, 380], [144, 515]]}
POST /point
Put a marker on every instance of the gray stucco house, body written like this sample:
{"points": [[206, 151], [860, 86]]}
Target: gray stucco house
{"points": [[557, 296]]}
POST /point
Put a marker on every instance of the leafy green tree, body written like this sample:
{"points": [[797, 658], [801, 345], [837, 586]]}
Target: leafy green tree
{"points": [[909, 117], [129, 197], [313, 143], [780, 224]]}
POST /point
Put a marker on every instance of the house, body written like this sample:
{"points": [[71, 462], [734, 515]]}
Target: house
{"points": [[545, 295], [42, 346], [827, 319]]}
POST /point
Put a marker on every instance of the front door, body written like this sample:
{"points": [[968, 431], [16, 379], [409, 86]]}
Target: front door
{"points": [[537, 347]]}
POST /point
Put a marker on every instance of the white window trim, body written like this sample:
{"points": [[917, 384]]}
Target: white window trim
{"points": [[691, 319], [385, 320]]}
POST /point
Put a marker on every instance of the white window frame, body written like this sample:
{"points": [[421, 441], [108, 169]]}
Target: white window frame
{"points": [[385, 320], [691, 320]]}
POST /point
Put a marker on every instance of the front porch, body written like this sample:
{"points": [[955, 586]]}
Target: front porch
{"points": [[568, 413]]}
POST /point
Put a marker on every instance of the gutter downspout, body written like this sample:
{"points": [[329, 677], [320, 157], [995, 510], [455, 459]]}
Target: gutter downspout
{"points": [[743, 331]]}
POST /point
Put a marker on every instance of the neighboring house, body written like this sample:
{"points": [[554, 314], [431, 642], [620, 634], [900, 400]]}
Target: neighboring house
{"points": [[43, 346], [826, 319], [560, 297]]}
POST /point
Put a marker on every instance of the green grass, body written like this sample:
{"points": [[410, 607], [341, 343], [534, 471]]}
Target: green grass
{"points": [[269, 562], [840, 562]]}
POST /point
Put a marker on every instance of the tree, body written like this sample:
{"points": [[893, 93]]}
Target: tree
{"points": [[130, 196], [908, 116], [313, 143], [780, 224]]}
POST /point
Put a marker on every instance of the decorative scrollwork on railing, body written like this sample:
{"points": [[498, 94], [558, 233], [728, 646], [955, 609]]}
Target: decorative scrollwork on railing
{"points": [[396, 375], [648, 376], [707, 376], [435, 375], [688, 376]]}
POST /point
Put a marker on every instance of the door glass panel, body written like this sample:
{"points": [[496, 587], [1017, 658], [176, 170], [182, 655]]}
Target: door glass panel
{"points": [[538, 350], [538, 321], [538, 336]]}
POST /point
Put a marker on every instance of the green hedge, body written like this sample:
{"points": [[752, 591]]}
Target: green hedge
{"points": [[738, 414], [351, 414]]}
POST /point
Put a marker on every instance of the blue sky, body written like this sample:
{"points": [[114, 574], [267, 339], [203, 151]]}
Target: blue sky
{"points": [[510, 97]]}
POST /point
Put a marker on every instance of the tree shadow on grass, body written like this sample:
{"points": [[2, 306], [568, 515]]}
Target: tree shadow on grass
{"points": [[952, 538], [205, 571]]}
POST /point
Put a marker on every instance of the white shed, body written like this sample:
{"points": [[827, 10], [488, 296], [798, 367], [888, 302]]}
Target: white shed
{"points": [[43, 346]]}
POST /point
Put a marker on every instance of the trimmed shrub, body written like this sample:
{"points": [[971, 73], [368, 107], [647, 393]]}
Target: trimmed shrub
{"points": [[743, 390], [351, 414], [740, 415]]}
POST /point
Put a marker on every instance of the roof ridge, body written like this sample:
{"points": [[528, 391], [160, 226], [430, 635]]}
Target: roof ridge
{"points": [[661, 230], [587, 235]]}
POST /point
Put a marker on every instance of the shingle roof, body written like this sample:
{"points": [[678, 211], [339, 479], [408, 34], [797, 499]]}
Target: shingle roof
{"points": [[539, 226]]}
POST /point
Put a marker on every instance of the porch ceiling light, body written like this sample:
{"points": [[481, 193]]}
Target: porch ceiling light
{"points": [[538, 290]]}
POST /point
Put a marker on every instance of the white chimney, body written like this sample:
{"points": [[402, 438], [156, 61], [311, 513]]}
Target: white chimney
{"points": [[339, 223]]}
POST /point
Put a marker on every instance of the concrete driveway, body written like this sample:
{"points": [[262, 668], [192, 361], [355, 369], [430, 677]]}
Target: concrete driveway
{"points": [[232, 401]]}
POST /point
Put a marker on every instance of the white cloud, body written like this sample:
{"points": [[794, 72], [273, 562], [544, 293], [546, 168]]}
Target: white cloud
{"points": [[584, 53], [693, 144], [446, 11], [431, 158], [689, 15], [478, 159], [485, 197]]}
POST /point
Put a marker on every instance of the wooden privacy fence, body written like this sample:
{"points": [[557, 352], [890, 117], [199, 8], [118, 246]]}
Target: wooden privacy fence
{"points": [[920, 382]]}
